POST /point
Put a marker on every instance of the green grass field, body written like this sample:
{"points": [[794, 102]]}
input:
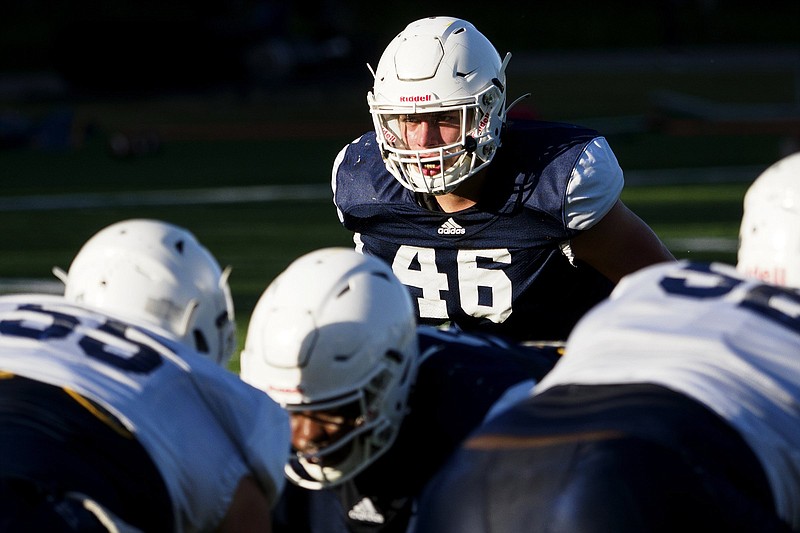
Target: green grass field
{"points": [[259, 239], [231, 141]]}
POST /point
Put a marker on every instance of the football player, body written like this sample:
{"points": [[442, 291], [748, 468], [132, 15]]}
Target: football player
{"points": [[376, 403], [674, 408], [116, 410], [502, 225]]}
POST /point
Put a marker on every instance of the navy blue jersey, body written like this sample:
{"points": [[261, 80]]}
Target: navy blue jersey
{"points": [[460, 377], [54, 441], [497, 266], [601, 458]]}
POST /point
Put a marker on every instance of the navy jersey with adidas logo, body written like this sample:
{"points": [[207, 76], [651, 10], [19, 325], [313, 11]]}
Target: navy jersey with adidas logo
{"points": [[497, 266], [459, 379]]}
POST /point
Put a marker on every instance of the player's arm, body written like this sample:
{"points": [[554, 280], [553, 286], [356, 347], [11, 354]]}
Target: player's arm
{"points": [[259, 428], [249, 511], [619, 243]]}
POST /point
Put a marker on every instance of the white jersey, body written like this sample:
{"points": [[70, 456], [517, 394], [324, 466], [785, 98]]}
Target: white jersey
{"points": [[729, 342], [202, 426]]}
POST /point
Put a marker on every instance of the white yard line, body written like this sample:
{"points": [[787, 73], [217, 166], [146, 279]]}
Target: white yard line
{"points": [[54, 286], [702, 244], [273, 193], [269, 193], [218, 195]]}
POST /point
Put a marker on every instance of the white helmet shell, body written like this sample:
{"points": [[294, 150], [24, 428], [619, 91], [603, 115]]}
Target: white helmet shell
{"points": [[159, 275], [435, 65], [769, 236], [336, 328]]}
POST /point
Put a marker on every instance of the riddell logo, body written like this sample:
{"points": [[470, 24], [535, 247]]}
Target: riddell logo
{"points": [[770, 274], [425, 98], [483, 123], [390, 137], [450, 227]]}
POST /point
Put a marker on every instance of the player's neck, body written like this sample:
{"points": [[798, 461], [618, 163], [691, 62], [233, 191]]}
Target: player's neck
{"points": [[464, 196], [452, 202]]}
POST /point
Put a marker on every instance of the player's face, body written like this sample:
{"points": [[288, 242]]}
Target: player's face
{"points": [[421, 131], [313, 431], [431, 130]]}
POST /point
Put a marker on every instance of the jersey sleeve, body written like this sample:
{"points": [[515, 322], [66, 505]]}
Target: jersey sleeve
{"points": [[355, 168], [337, 162], [594, 186], [257, 425], [362, 186], [268, 445]]}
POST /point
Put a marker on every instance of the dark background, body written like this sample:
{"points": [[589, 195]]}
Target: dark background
{"points": [[150, 45]]}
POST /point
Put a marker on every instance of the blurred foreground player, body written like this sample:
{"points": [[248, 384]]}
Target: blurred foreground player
{"points": [[116, 413], [376, 403], [676, 406]]}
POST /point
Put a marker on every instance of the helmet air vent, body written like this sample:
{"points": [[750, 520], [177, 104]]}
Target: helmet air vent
{"points": [[200, 341]]}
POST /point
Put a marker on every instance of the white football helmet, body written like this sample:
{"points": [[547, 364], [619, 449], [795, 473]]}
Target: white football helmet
{"points": [[336, 329], [157, 274], [769, 236], [435, 65]]}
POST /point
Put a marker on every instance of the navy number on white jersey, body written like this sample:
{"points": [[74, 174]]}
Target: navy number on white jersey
{"points": [[115, 349], [775, 303]]}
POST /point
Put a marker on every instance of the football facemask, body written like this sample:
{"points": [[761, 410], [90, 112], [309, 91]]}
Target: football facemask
{"points": [[439, 65], [335, 330]]}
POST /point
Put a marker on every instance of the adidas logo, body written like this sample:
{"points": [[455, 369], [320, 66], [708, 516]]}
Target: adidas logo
{"points": [[365, 511], [450, 227]]}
